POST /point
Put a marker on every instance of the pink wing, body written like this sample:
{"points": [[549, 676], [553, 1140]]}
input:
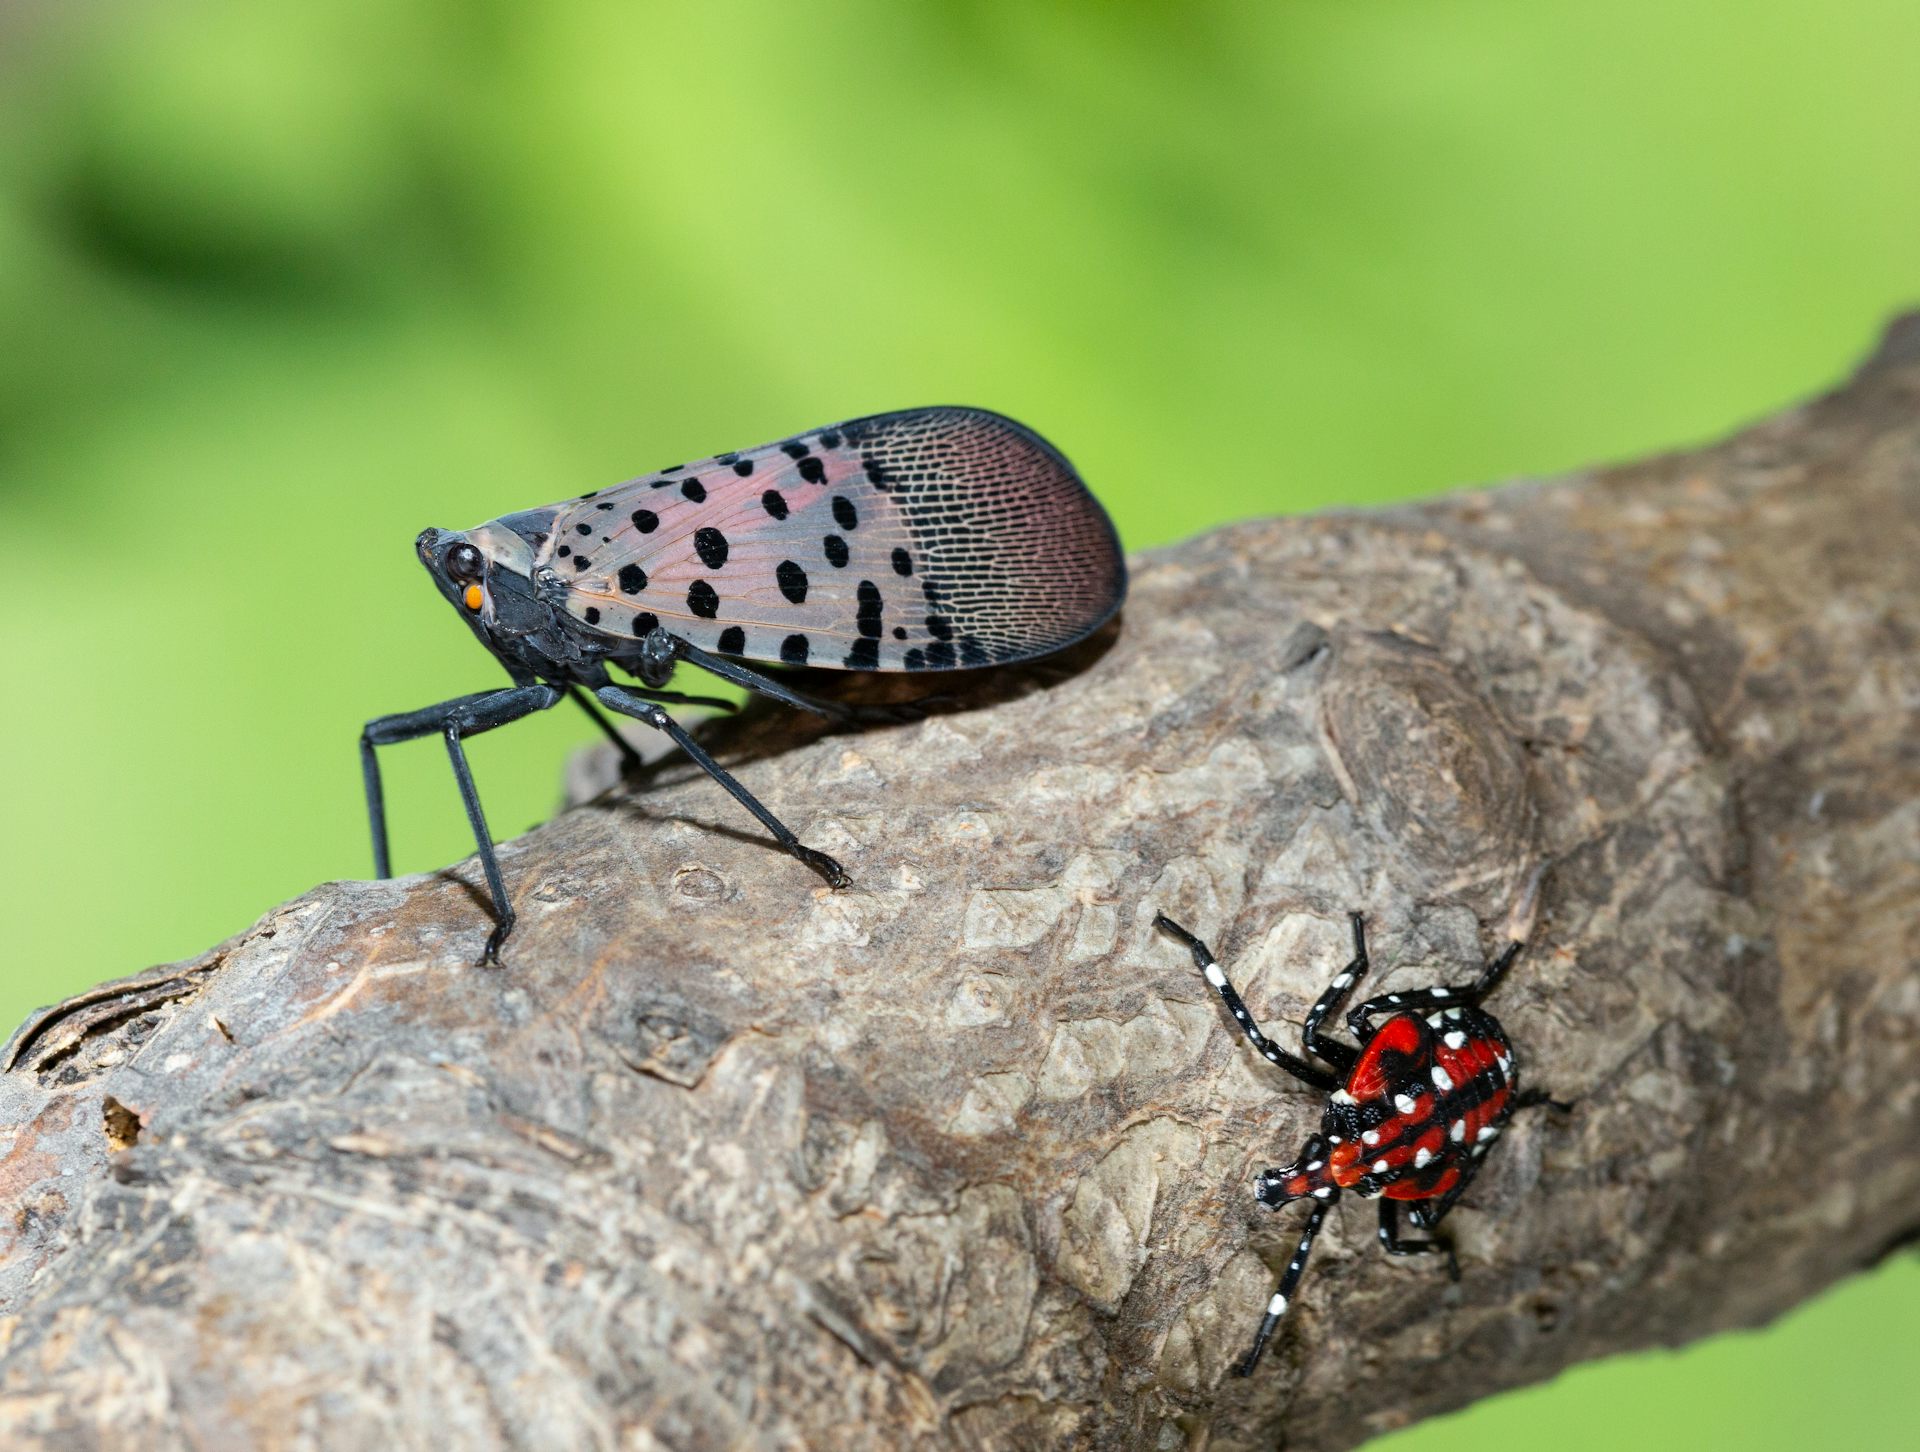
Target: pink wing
{"points": [[930, 539]]}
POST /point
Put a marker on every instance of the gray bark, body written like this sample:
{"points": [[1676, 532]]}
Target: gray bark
{"points": [[962, 1157]]}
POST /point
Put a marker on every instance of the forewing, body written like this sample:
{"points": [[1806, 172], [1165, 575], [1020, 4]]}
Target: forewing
{"points": [[926, 540]]}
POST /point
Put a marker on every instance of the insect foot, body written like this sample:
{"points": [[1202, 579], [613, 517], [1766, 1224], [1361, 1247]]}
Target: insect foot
{"points": [[931, 540], [1410, 1113]]}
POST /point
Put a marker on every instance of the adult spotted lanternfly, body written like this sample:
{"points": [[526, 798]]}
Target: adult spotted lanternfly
{"points": [[1410, 1113], [931, 540]]}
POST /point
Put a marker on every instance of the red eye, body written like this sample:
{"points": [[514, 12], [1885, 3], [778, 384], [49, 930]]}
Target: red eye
{"points": [[464, 562]]}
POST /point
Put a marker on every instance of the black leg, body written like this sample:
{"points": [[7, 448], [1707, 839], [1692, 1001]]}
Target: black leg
{"points": [[1204, 960], [1415, 1000], [765, 685], [1391, 1242], [1491, 975], [384, 731], [463, 716], [629, 758], [630, 703], [1283, 1295], [1430, 1000], [503, 915], [1340, 1055]]}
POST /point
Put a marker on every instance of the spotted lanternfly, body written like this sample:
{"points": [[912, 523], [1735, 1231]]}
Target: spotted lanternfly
{"points": [[1410, 1113], [936, 539]]}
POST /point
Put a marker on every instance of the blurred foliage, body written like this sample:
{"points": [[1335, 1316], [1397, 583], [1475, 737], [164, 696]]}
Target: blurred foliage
{"points": [[281, 285]]}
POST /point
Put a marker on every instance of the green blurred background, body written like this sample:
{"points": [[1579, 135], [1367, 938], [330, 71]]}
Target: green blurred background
{"points": [[281, 285]]}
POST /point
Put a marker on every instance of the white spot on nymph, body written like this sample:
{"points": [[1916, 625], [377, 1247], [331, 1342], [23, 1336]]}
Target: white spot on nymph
{"points": [[1434, 1020], [1455, 1040], [1383, 1233], [1479, 1150], [1442, 993], [1405, 1103], [1215, 976], [1453, 1013], [1372, 1136], [1335, 1139], [1343, 983], [1458, 1132], [1314, 1166], [1487, 1132], [1379, 1167], [1421, 1158], [1323, 1192], [1393, 998], [1340, 1096], [1442, 1080], [1277, 1306], [1506, 1063]]}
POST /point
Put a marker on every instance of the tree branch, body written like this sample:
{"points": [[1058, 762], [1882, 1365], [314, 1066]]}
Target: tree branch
{"points": [[962, 1157]]}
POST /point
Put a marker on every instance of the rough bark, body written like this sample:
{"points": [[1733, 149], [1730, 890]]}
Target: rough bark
{"points": [[961, 1158]]}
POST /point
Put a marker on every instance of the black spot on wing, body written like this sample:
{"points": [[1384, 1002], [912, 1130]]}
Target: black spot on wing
{"points": [[703, 600], [793, 650], [864, 655], [632, 579], [792, 581], [694, 490], [869, 610], [711, 546], [775, 503], [835, 550], [645, 520], [733, 641]]}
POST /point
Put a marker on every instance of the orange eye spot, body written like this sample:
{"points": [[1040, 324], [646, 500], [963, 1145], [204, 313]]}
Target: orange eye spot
{"points": [[473, 597]]}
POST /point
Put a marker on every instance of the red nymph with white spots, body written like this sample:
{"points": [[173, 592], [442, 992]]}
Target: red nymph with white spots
{"points": [[1409, 1115]]}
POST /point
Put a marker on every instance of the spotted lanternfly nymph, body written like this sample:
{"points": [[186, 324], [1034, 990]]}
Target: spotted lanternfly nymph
{"points": [[1410, 1113], [936, 539]]}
